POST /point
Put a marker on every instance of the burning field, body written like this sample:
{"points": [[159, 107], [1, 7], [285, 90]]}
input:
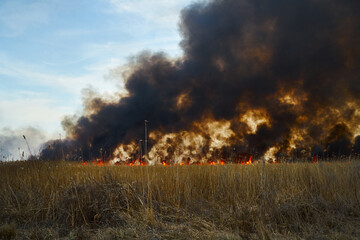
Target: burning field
{"points": [[273, 79], [235, 139]]}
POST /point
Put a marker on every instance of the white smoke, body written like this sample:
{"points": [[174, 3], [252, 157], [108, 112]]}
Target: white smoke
{"points": [[13, 145]]}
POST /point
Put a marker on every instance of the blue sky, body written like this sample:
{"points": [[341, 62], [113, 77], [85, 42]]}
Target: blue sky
{"points": [[52, 49]]}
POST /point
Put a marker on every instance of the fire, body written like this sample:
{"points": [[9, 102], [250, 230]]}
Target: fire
{"points": [[199, 146], [219, 132], [254, 118], [183, 101], [270, 154], [123, 153], [288, 99], [189, 146], [269, 106], [165, 163], [291, 96], [297, 136], [100, 163], [137, 162], [248, 162]]}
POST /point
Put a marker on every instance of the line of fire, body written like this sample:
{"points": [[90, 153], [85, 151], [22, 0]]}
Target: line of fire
{"points": [[272, 80], [190, 151]]}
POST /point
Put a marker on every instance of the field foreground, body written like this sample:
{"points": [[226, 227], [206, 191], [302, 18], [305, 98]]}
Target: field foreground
{"points": [[58, 200]]}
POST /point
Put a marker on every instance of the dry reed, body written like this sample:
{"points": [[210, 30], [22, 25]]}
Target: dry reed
{"points": [[282, 201]]}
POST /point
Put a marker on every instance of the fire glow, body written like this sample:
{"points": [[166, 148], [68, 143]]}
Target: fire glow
{"points": [[261, 88], [164, 163]]}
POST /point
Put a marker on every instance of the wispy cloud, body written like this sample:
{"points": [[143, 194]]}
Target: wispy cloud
{"points": [[18, 16], [43, 98], [32, 74], [31, 108], [54, 49], [162, 12]]}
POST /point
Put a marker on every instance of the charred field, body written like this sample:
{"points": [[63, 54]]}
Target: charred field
{"points": [[63, 200]]}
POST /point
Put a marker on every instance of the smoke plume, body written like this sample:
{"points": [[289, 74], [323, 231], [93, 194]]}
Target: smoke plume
{"points": [[264, 77]]}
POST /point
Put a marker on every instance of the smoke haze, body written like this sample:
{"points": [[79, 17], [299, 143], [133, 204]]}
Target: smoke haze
{"points": [[13, 145]]}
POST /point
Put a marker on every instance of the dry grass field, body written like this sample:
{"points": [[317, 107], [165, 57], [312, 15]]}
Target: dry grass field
{"points": [[60, 200]]}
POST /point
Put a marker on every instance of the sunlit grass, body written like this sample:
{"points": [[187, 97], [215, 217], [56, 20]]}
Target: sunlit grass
{"points": [[254, 201]]}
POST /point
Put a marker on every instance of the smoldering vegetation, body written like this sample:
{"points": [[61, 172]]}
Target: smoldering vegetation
{"points": [[283, 74]]}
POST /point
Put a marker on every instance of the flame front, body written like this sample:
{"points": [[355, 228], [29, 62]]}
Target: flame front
{"points": [[261, 88], [200, 146]]}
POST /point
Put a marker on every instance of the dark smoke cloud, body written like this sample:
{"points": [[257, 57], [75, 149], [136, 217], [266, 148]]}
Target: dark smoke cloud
{"points": [[356, 149], [241, 55]]}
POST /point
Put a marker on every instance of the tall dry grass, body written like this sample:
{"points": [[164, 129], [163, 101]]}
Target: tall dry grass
{"points": [[279, 201]]}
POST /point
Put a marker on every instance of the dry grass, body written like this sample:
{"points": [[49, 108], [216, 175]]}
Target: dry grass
{"points": [[53, 200]]}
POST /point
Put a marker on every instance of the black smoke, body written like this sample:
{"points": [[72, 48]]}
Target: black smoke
{"points": [[240, 55], [356, 149]]}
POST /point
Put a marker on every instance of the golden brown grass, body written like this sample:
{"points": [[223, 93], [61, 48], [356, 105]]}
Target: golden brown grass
{"points": [[52, 200]]}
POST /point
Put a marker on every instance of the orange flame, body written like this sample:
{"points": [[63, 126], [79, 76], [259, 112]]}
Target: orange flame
{"points": [[97, 163], [248, 162], [101, 163], [138, 162]]}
